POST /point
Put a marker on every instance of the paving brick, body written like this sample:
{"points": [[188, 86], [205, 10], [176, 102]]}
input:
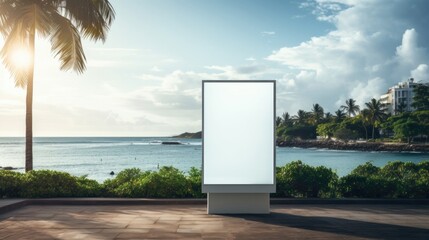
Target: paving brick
{"points": [[191, 222]]}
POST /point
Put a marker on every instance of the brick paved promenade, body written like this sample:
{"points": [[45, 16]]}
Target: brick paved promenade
{"points": [[309, 221]]}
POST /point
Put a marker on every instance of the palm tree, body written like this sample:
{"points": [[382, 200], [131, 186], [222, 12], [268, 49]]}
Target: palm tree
{"points": [[375, 112], [328, 117], [366, 115], [286, 120], [339, 115], [317, 113], [301, 117], [278, 121], [63, 22], [350, 108]]}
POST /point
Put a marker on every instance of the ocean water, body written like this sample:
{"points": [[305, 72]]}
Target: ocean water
{"points": [[96, 157]]}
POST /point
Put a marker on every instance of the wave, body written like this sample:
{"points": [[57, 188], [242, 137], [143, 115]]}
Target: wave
{"points": [[400, 152], [42, 166], [12, 143], [147, 143], [161, 143], [335, 150]]}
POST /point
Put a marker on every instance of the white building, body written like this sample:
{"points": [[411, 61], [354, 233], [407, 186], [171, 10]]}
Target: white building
{"points": [[400, 97]]}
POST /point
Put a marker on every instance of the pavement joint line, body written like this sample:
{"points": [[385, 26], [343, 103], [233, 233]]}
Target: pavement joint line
{"points": [[19, 203]]}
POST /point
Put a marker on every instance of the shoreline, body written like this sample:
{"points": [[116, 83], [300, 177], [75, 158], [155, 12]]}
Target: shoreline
{"points": [[356, 146]]}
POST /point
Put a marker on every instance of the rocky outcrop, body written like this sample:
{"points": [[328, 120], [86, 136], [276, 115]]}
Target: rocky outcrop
{"points": [[357, 146], [189, 135], [171, 143], [8, 168]]}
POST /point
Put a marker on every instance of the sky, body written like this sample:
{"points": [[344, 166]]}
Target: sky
{"points": [[145, 80]]}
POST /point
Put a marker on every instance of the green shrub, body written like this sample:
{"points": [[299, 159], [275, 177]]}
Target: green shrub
{"points": [[48, 183], [124, 184], [422, 184], [405, 175], [10, 183], [368, 181], [354, 185], [346, 134], [423, 165], [301, 132], [394, 180], [168, 182], [326, 182], [300, 180], [194, 179], [129, 190], [88, 187], [366, 170], [399, 170]]}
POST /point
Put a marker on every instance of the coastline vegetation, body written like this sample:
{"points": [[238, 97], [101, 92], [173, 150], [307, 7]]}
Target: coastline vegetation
{"points": [[350, 122], [293, 180]]}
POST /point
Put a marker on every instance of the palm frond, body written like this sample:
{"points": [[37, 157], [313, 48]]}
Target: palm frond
{"points": [[92, 17], [26, 19], [66, 44], [6, 8], [34, 16], [13, 42]]}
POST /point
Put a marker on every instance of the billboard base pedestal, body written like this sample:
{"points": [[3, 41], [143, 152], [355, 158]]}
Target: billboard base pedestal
{"points": [[238, 203]]}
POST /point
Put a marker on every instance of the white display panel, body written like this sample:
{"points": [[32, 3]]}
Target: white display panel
{"points": [[238, 133]]}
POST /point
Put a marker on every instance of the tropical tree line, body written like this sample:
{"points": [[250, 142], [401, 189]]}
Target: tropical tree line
{"points": [[352, 122]]}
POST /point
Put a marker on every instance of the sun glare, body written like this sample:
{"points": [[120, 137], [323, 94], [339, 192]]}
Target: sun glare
{"points": [[21, 58]]}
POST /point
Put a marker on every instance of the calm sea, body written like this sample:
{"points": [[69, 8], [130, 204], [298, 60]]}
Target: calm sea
{"points": [[96, 157]]}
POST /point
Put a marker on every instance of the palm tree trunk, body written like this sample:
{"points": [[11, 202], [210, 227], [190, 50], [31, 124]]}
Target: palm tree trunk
{"points": [[29, 109], [373, 127], [366, 132]]}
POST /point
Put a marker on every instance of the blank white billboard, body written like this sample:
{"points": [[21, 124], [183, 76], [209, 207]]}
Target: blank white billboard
{"points": [[238, 134]]}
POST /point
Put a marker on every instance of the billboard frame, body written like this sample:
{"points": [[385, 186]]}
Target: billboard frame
{"points": [[241, 188]]}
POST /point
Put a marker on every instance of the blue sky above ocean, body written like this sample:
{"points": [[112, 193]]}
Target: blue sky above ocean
{"points": [[146, 79]]}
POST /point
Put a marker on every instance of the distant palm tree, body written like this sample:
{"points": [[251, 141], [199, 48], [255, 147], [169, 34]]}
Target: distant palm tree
{"points": [[301, 117], [350, 108], [278, 121], [286, 119], [375, 112], [328, 117], [317, 113], [63, 22], [366, 116], [339, 115]]}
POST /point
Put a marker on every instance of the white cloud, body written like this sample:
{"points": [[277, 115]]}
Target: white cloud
{"points": [[409, 52], [364, 91], [421, 73], [374, 45]]}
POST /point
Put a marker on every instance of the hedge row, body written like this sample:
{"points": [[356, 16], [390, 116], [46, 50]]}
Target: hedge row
{"points": [[394, 180]]}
